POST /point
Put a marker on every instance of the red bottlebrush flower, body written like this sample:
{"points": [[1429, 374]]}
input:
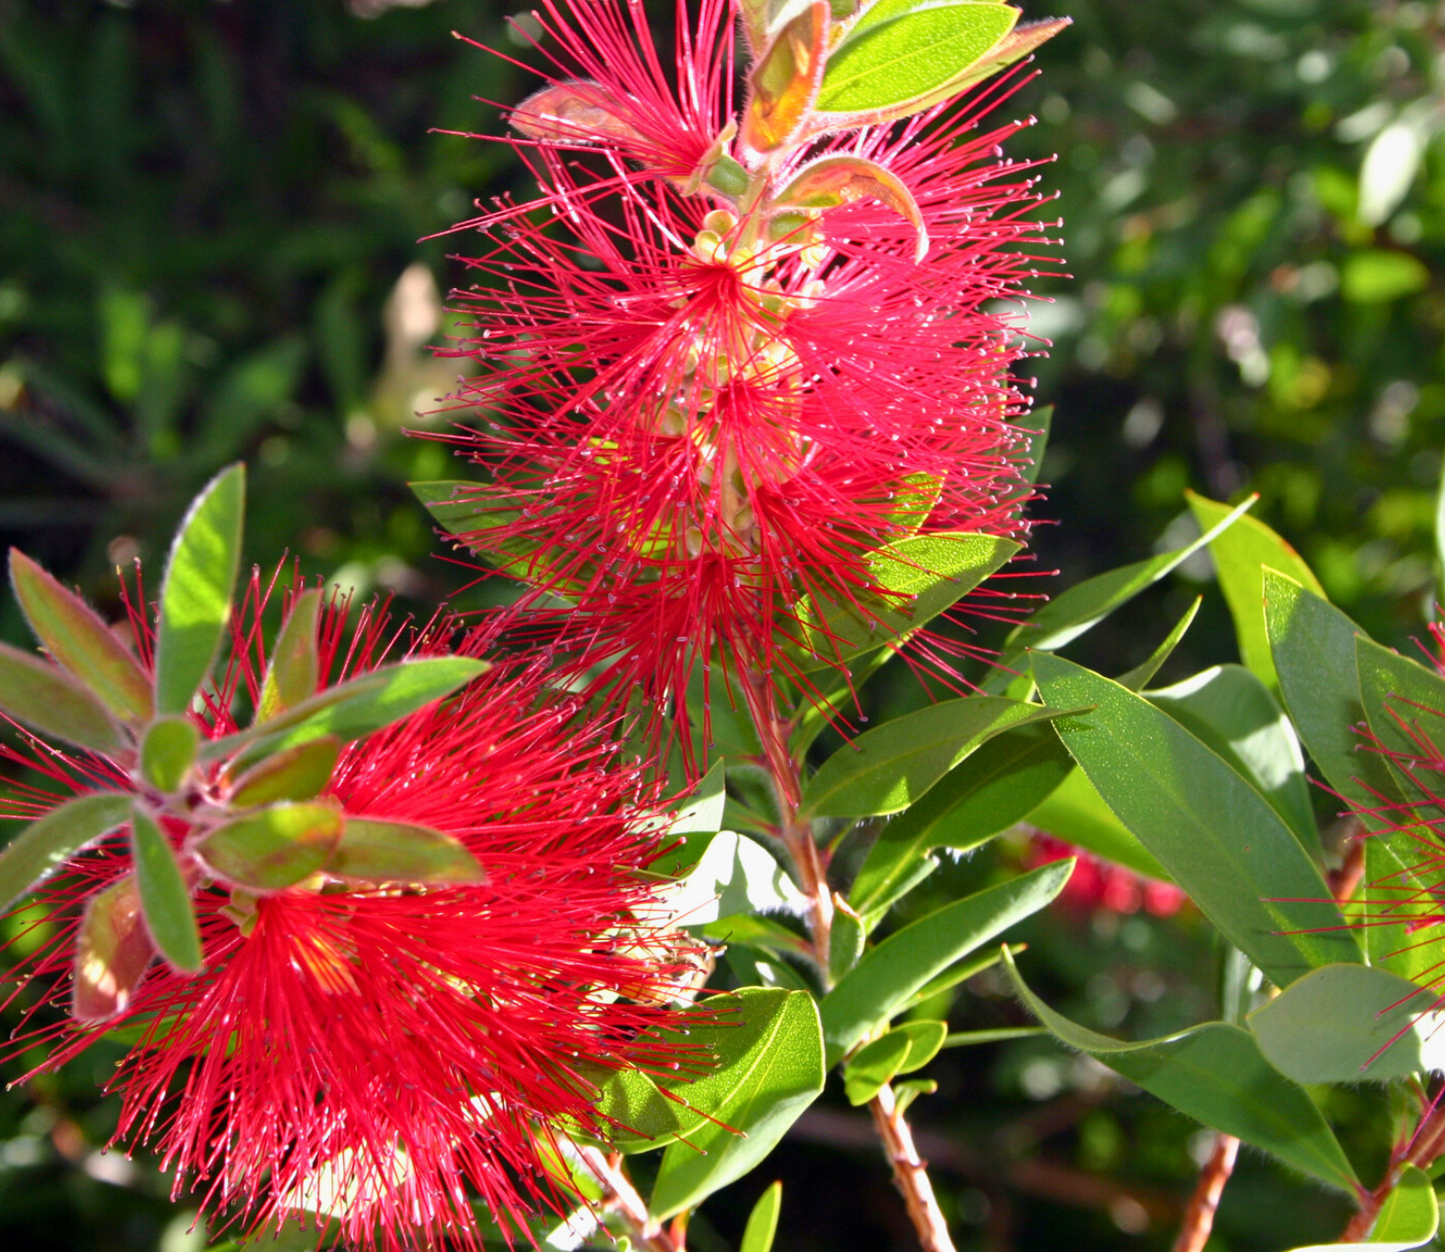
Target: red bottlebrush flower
{"points": [[387, 1053], [1101, 886], [708, 410]]}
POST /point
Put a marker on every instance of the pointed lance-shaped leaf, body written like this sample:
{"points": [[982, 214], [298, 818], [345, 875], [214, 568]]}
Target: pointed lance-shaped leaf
{"points": [[577, 111], [164, 895], [50, 701], [784, 82], [295, 666], [200, 577], [76, 637], [168, 751], [763, 1221], [274, 848], [112, 951], [385, 851], [835, 180], [298, 773], [48, 842]]}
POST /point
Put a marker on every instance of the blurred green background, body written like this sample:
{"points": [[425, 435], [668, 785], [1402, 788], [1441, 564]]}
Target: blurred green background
{"points": [[209, 225]]}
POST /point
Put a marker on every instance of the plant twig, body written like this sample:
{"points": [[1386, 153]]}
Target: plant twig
{"points": [[910, 1172], [1204, 1203], [621, 1197]]}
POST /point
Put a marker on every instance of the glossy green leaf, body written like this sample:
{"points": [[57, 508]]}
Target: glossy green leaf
{"points": [[1076, 813], [1140, 676], [763, 1221], [735, 874], [1002, 1034], [888, 976], [195, 601], [50, 701], [960, 972], [640, 1117], [883, 64], [1409, 1218], [1230, 710], [1216, 1074], [1401, 873], [904, 1093], [353, 709], [401, 852], [112, 951], [846, 938], [873, 1065], [1219, 839], [168, 751], [295, 665], [298, 773], [75, 637], [1348, 1023], [273, 848], [702, 812], [1241, 555], [164, 896], [926, 574], [50, 841], [1080, 608], [892, 766], [1404, 705], [770, 1069], [925, 1039], [991, 789]]}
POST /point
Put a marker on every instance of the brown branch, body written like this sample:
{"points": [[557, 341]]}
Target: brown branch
{"points": [[910, 1172], [1204, 1203]]}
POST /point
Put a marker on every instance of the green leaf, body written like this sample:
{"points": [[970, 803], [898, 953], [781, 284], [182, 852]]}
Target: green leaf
{"points": [[1312, 645], [925, 1039], [960, 972], [640, 1115], [1140, 676], [1002, 1034], [1218, 837], [1349, 1023], [164, 896], [928, 572], [50, 701], [763, 1221], [702, 814], [1409, 1217], [195, 602], [273, 848], [888, 976], [770, 1069], [1076, 813], [992, 788], [1083, 606], [1241, 554], [846, 939], [75, 636], [353, 709], [112, 951], [1440, 533], [830, 181], [295, 666], [733, 875], [904, 1093], [887, 63], [298, 773], [892, 766], [1231, 711], [401, 852], [1405, 707], [1038, 423], [50, 841], [1215, 1074], [1400, 868], [168, 751], [874, 1065], [1380, 275]]}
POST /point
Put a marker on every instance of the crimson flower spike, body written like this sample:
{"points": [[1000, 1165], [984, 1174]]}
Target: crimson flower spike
{"points": [[747, 374]]}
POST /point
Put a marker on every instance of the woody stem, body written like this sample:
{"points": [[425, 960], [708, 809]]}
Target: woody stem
{"points": [[1198, 1220], [621, 1197]]}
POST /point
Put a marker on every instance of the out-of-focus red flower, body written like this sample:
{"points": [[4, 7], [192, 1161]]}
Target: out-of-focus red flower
{"points": [[701, 411], [1102, 886], [388, 1054]]}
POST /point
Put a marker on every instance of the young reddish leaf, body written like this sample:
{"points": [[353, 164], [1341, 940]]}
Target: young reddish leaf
{"points": [[195, 602], [295, 667], [168, 751], [843, 179], [48, 842], [49, 700], [112, 951], [382, 851], [786, 78], [75, 636], [296, 774], [164, 896], [574, 112], [274, 848]]}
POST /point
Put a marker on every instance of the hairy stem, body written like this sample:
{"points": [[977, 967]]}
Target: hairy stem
{"points": [[1204, 1203], [910, 1172]]}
